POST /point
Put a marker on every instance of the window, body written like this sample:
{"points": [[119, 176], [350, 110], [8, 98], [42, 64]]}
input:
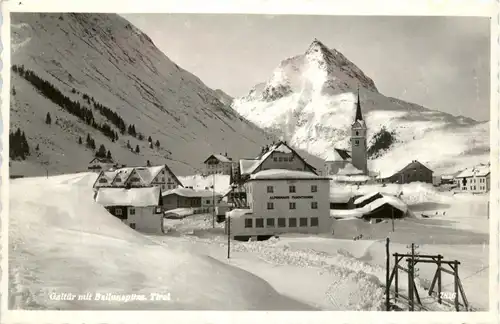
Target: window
{"points": [[292, 222], [303, 222], [162, 187], [285, 159], [270, 205], [162, 179], [292, 205], [356, 142], [291, 189], [103, 180], [280, 159], [314, 205], [259, 222], [357, 133], [314, 188], [207, 201], [132, 225], [314, 222], [118, 212], [132, 211], [281, 222], [270, 189], [270, 222], [275, 159], [248, 222]]}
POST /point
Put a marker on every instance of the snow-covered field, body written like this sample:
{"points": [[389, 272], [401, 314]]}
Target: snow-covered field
{"points": [[61, 241]]}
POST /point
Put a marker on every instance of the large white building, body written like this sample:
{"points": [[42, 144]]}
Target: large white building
{"points": [[474, 180], [284, 194]]}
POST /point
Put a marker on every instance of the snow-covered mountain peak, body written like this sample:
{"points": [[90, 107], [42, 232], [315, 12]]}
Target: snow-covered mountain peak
{"points": [[310, 100], [318, 71]]}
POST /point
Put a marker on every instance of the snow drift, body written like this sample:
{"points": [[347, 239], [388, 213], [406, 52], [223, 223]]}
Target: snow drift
{"points": [[61, 241]]}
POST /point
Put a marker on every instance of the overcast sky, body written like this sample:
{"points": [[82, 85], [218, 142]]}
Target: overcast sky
{"points": [[442, 63]]}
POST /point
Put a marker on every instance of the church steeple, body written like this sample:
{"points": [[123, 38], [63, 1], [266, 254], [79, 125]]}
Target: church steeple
{"points": [[359, 115], [359, 156]]}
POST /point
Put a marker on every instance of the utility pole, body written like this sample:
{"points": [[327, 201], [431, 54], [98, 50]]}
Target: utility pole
{"points": [[387, 266], [228, 236], [213, 200]]}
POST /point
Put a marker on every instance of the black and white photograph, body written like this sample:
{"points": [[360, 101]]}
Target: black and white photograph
{"points": [[249, 162]]}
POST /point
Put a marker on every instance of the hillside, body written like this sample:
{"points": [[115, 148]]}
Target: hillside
{"points": [[98, 75], [310, 100]]}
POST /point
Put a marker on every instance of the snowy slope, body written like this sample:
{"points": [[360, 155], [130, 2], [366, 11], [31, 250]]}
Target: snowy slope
{"points": [[58, 234], [310, 100], [105, 57]]}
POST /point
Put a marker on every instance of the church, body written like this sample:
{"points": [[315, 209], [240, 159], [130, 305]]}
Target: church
{"points": [[354, 162]]}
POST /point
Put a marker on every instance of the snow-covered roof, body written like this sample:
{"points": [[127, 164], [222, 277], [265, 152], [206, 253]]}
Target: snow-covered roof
{"points": [[347, 213], [238, 213], [138, 197], [396, 166], [282, 148], [334, 157], [187, 192], [478, 171], [337, 155], [365, 197], [284, 174], [340, 198], [349, 169], [391, 200], [248, 166], [149, 173], [101, 160], [220, 157], [123, 173], [359, 212]]}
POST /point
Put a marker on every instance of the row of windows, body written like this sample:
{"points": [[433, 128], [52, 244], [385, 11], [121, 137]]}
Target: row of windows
{"points": [[271, 222], [474, 188], [481, 180], [293, 205], [283, 159], [292, 189]]}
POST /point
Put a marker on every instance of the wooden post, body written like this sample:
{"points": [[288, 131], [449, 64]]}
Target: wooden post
{"points": [[410, 285], [388, 264], [228, 236], [456, 285], [411, 273], [396, 268], [439, 277]]}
